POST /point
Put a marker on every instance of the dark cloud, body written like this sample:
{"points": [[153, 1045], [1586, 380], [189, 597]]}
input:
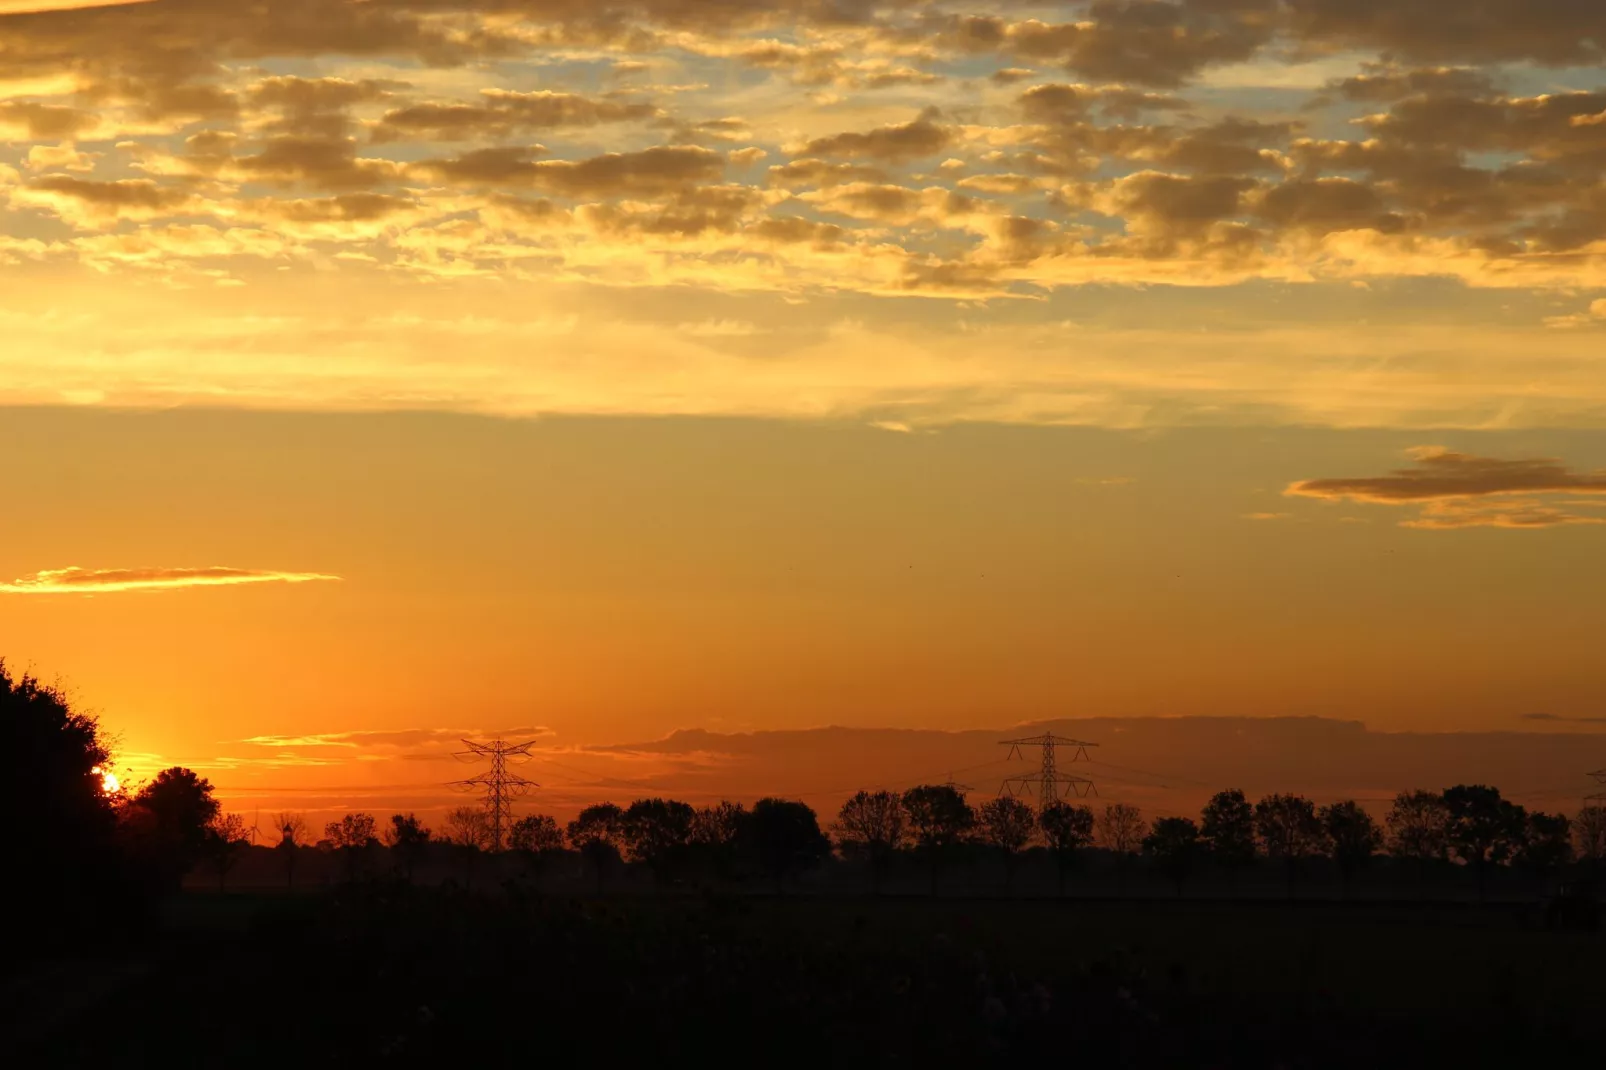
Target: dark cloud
{"points": [[1160, 762], [1441, 474], [666, 169], [1570, 32], [893, 144], [502, 114]]}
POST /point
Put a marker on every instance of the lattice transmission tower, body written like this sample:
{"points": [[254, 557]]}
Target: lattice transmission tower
{"points": [[1048, 783], [500, 785], [1599, 798]]}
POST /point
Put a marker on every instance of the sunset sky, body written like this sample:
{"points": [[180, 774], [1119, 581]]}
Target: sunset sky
{"points": [[376, 373]]}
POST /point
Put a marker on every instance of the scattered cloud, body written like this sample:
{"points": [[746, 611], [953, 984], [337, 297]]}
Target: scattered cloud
{"points": [[1441, 474], [481, 143], [1553, 718], [102, 581], [1458, 490]]}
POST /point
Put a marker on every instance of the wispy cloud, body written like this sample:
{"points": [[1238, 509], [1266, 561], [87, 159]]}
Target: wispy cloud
{"points": [[1458, 490], [411, 743], [26, 7], [74, 580]]}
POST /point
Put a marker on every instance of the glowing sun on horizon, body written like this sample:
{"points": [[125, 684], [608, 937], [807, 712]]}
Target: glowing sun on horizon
{"points": [[109, 784]]}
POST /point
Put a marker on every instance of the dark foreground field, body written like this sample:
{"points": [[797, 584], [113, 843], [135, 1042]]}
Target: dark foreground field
{"points": [[397, 977]]}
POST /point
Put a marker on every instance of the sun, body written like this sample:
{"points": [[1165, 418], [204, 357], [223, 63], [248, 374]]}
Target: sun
{"points": [[109, 784]]}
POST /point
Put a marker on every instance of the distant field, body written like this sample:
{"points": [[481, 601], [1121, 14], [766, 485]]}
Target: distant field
{"points": [[341, 980]]}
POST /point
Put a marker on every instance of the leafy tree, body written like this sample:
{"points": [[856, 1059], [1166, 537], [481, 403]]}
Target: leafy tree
{"points": [[536, 834], [1289, 830], [1484, 829], [717, 837], [1174, 843], [408, 839], [226, 838], [1121, 830], [352, 835], [785, 838], [1589, 834], [1419, 826], [1353, 836], [1547, 845], [353, 831], [1068, 830], [1007, 824], [874, 823], [170, 820], [1418, 833], [292, 830], [1227, 830], [536, 838], [51, 762], [598, 834], [939, 819], [656, 832]]}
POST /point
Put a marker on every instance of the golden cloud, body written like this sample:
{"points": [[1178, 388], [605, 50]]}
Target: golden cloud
{"points": [[103, 581]]}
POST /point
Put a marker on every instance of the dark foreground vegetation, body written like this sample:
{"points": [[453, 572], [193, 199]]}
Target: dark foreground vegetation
{"points": [[388, 974], [922, 932]]}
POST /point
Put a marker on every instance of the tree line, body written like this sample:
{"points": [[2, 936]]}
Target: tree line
{"points": [[90, 841], [1471, 827]]}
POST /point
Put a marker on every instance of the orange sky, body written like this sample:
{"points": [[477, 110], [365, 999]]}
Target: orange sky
{"points": [[377, 372]]}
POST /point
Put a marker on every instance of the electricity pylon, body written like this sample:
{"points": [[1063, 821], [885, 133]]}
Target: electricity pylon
{"points": [[1600, 796], [1049, 784], [501, 786]]}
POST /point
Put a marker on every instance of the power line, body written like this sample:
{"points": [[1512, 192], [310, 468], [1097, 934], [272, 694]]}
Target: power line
{"points": [[501, 787], [1599, 776], [1049, 784]]}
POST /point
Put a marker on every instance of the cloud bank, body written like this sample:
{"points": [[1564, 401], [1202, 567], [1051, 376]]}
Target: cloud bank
{"points": [[846, 154]]}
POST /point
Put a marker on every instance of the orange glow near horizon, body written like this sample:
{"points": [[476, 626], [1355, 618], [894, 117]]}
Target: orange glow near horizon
{"points": [[658, 389]]}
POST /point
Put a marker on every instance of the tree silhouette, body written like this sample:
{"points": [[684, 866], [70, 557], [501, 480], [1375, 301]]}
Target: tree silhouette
{"points": [[716, 837], [407, 839], [874, 823], [292, 830], [1121, 830], [1227, 830], [1289, 831], [656, 832], [169, 822], [51, 762], [536, 838], [468, 830], [1174, 844], [598, 835], [939, 818], [352, 835], [226, 838], [786, 838], [1419, 829], [1007, 824], [1547, 845], [1353, 837], [1068, 830], [1589, 834], [1484, 829]]}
